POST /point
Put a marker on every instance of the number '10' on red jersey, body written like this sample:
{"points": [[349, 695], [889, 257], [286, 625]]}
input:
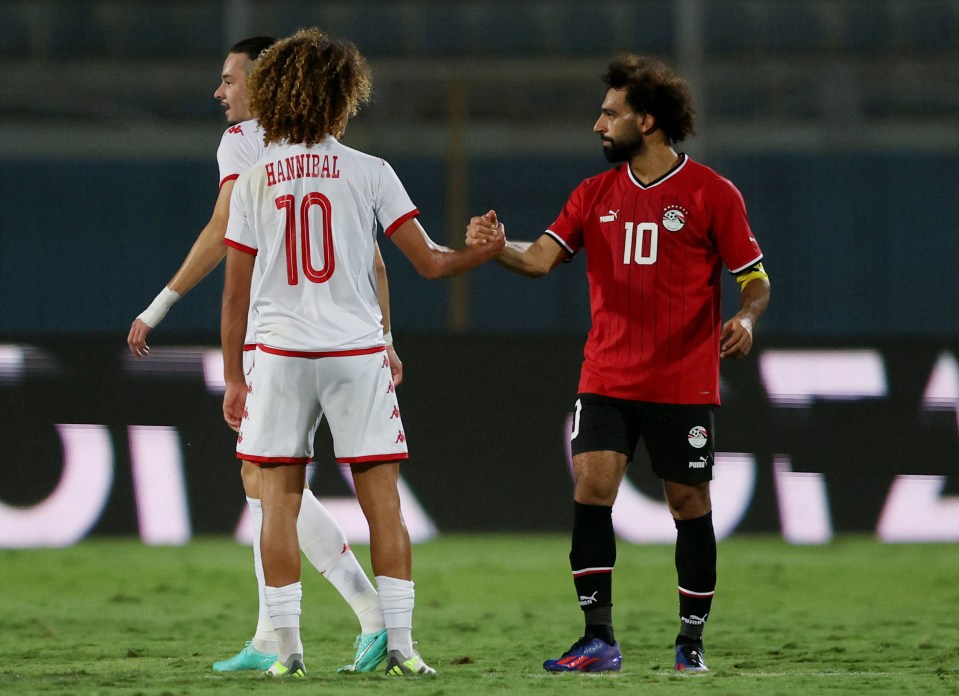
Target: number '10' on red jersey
{"points": [[654, 257]]}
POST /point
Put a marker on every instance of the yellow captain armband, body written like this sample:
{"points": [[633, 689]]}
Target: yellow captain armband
{"points": [[747, 275]]}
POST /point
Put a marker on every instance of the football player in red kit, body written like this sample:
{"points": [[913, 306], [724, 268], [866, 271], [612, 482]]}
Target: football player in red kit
{"points": [[657, 230]]}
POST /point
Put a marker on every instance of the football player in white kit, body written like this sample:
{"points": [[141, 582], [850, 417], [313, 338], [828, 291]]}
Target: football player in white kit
{"points": [[301, 237], [321, 538]]}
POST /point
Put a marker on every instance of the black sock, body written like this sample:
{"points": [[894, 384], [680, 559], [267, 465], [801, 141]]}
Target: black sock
{"points": [[592, 557], [696, 571], [602, 631]]}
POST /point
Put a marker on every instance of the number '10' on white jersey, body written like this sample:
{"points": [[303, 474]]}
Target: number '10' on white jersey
{"points": [[310, 215]]}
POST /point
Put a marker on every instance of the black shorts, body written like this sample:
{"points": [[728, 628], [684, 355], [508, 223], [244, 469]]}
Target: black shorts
{"points": [[678, 437]]}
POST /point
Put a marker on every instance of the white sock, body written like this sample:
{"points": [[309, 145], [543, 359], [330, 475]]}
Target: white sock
{"points": [[284, 605], [325, 546], [264, 640], [396, 599], [347, 576]]}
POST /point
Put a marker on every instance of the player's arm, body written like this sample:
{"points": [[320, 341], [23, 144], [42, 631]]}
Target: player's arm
{"points": [[531, 259], [236, 305], [207, 251], [737, 334], [383, 297], [434, 261]]}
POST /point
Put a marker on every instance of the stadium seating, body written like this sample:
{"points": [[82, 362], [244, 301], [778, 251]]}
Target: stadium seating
{"points": [[761, 59]]}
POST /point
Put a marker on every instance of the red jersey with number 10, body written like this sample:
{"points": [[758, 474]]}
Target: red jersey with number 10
{"points": [[654, 261]]}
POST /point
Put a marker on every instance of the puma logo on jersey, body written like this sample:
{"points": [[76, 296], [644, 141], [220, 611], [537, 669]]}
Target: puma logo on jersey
{"points": [[611, 217]]}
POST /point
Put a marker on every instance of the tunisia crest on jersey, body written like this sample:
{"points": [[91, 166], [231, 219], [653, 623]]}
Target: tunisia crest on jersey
{"points": [[674, 217]]}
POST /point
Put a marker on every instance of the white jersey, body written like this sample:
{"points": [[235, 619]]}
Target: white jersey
{"points": [[309, 214], [240, 148]]}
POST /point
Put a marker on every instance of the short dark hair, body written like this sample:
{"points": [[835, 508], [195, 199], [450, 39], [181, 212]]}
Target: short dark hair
{"points": [[253, 46], [652, 88]]}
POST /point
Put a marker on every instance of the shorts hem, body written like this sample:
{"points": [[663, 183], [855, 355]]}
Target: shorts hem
{"points": [[259, 460], [373, 458]]}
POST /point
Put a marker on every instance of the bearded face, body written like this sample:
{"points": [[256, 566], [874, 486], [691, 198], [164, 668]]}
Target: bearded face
{"points": [[618, 126], [623, 147]]}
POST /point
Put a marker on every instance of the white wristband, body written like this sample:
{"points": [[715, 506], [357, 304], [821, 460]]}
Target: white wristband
{"points": [[388, 337], [153, 315]]}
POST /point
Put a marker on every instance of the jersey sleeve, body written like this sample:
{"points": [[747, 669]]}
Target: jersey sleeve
{"points": [[239, 232], [391, 203], [567, 230], [737, 245], [237, 151]]}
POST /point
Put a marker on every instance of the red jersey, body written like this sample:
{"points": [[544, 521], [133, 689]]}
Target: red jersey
{"points": [[654, 256]]}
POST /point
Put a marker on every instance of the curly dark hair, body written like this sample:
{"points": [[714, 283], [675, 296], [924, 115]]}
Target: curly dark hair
{"points": [[306, 86], [652, 88]]}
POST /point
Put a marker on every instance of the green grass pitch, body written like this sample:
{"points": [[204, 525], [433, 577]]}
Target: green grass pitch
{"points": [[854, 616]]}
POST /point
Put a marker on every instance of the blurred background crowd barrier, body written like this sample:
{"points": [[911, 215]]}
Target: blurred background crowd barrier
{"points": [[837, 119]]}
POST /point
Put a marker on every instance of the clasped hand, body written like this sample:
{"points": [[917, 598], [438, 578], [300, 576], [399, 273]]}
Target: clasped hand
{"points": [[485, 229]]}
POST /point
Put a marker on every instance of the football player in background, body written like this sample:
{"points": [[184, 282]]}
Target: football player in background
{"points": [[320, 536]]}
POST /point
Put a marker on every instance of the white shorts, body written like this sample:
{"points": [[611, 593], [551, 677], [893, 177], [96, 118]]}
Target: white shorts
{"points": [[288, 396]]}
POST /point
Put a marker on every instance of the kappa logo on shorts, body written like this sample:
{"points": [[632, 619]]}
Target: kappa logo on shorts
{"points": [[386, 361], [396, 412], [400, 437], [697, 436]]}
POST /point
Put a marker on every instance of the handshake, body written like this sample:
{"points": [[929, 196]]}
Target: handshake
{"points": [[486, 229]]}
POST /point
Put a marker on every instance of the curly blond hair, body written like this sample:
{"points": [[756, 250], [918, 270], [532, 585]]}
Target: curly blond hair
{"points": [[306, 87]]}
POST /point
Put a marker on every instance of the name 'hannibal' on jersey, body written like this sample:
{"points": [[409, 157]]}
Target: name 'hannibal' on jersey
{"points": [[654, 260], [314, 246], [300, 166]]}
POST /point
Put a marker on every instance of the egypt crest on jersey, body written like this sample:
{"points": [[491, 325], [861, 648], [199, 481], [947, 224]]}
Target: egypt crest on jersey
{"points": [[310, 215], [240, 147]]}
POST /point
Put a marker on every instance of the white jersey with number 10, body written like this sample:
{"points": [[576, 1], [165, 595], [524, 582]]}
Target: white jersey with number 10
{"points": [[310, 215]]}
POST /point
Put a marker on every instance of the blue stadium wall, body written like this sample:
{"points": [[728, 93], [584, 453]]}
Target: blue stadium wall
{"points": [[857, 245]]}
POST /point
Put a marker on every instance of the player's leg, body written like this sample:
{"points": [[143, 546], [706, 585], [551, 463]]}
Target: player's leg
{"points": [[282, 411], [680, 444], [260, 652], [602, 434], [392, 561], [373, 444], [281, 497], [323, 542], [263, 643], [695, 568], [325, 545]]}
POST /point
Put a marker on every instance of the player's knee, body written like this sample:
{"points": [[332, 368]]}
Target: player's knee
{"points": [[252, 480], [688, 501]]}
